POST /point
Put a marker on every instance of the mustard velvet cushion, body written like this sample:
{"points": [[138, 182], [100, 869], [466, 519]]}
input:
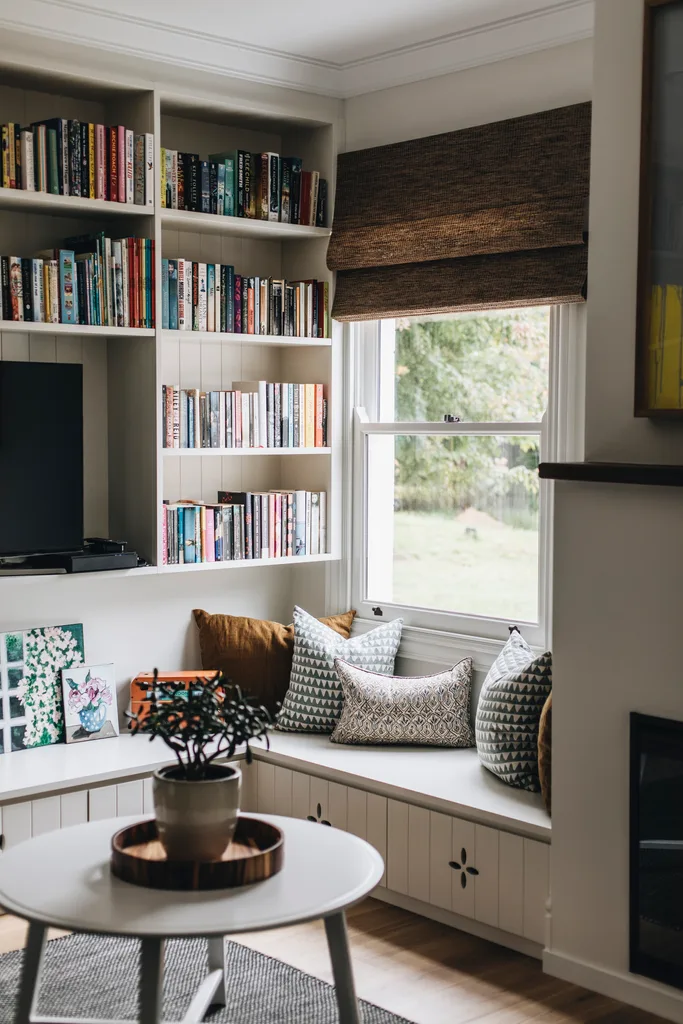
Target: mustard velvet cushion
{"points": [[255, 654], [545, 735]]}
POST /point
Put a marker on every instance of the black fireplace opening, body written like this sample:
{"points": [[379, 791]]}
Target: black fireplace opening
{"points": [[656, 849]]}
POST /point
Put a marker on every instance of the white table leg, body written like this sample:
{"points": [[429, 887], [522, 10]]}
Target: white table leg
{"points": [[30, 974], [217, 963], [151, 981], [338, 943]]}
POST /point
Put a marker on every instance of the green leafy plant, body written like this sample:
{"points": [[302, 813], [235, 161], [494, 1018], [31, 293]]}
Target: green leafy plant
{"points": [[209, 720]]}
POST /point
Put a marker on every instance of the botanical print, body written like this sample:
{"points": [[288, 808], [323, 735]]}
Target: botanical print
{"points": [[90, 702], [31, 708]]}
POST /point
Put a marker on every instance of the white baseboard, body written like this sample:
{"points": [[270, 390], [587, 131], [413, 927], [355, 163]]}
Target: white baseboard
{"points": [[629, 988], [463, 924]]}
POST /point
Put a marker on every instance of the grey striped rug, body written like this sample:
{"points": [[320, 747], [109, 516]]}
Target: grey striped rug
{"points": [[96, 976]]}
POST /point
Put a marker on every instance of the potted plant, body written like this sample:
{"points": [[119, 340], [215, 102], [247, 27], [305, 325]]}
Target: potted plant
{"points": [[196, 800]]}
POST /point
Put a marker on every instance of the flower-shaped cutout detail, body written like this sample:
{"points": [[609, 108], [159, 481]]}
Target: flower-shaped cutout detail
{"points": [[318, 817], [463, 868]]}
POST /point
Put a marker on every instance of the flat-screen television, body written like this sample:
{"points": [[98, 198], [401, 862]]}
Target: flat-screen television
{"points": [[41, 457]]}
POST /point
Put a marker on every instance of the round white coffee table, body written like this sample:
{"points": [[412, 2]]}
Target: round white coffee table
{"points": [[62, 880]]}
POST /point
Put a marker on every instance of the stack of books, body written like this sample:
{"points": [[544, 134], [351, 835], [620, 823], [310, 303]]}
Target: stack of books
{"points": [[255, 414], [262, 186], [77, 158], [212, 297], [95, 280], [245, 525]]}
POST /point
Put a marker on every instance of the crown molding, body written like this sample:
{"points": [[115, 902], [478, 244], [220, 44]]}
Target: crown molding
{"points": [[139, 37]]}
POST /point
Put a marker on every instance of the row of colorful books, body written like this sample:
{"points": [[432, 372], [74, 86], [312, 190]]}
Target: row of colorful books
{"points": [[94, 280], [262, 186], [255, 414], [78, 158], [245, 525], [212, 297]]}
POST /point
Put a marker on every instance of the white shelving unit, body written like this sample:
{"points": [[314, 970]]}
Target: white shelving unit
{"points": [[127, 471]]}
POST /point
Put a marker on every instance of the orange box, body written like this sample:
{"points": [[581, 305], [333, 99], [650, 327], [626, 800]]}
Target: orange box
{"points": [[143, 683]]}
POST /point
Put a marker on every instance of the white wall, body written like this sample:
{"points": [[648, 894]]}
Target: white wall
{"points": [[492, 92], [144, 622], [618, 599]]}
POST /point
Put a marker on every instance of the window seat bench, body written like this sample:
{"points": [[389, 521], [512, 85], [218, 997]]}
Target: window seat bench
{"points": [[459, 846]]}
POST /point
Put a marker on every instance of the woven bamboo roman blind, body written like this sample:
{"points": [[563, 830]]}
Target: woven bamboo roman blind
{"points": [[492, 216]]}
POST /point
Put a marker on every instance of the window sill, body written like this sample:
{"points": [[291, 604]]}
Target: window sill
{"points": [[440, 648]]}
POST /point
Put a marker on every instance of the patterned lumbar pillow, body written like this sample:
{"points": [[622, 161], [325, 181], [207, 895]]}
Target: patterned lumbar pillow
{"points": [[313, 701], [430, 710], [509, 711]]}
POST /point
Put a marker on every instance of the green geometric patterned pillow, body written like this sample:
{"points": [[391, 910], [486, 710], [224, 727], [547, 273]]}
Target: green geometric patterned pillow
{"points": [[509, 711], [313, 702]]}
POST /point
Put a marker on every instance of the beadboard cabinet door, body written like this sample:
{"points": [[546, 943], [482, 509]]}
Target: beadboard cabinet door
{"points": [[74, 808], [536, 889], [102, 803], [46, 815], [16, 823]]}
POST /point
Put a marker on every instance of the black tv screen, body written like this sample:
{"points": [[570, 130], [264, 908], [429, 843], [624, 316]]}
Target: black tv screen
{"points": [[41, 457]]}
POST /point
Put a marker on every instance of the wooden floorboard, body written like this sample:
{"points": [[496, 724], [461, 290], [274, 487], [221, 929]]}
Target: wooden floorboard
{"points": [[427, 972]]}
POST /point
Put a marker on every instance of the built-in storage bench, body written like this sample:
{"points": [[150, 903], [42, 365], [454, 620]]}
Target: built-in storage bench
{"points": [[459, 846]]}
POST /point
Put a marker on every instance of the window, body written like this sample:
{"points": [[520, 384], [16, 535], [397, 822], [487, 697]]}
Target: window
{"points": [[452, 523]]}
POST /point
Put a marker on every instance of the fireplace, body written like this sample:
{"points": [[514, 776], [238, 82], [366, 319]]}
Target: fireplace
{"points": [[656, 838]]}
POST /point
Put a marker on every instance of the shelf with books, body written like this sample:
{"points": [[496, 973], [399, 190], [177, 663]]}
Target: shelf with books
{"points": [[194, 452], [211, 223], [249, 563], [28, 327], [23, 201], [218, 338]]}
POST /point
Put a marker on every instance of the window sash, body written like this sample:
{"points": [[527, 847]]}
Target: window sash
{"points": [[426, 618]]}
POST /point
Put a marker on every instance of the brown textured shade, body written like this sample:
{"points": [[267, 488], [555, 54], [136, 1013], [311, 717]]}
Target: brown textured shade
{"points": [[489, 216]]}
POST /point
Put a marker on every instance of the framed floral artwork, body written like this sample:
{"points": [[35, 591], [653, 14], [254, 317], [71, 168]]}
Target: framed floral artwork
{"points": [[31, 706], [90, 711]]}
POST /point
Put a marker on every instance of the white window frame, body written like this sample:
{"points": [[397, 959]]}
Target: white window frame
{"points": [[561, 439]]}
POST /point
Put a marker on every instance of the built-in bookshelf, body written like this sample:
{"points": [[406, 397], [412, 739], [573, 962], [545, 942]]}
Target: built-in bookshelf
{"points": [[129, 474]]}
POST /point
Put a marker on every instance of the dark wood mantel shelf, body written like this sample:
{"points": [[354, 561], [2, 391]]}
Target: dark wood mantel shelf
{"points": [[613, 473]]}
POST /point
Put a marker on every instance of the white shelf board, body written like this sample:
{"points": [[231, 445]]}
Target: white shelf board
{"points": [[29, 327], [219, 337], [62, 766], [141, 570], [212, 223], [193, 452], [45, 202], [248, 563]]}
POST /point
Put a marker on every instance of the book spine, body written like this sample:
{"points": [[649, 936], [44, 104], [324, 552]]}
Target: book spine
{"points": [[220, 189], [85, 157], [149, 169], [53, 161], [211, 297], [217, 297], [249, 526], [180, 180], [321, 205], [27, 289], [28, 180], [205, 190], [120, 192], [38, 291], [16, 288], [68, 299], [229, 298], [275, 187], [202, 300], [315, 522], [195, 201], [318, 416], [309, 432], [130, 165], [240, 196], [295, 192], [213, 187], [181, 295], [237, 311], [11, 157], [229, 204], [173, 295], [113, 164], [165, 309], [139, 170], [285, 189], [100, 161], [91, 160], [163, 195], [174, 179], [263, 194]]}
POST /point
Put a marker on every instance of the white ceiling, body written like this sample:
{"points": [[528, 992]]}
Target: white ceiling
{"points": [[338, 47]]}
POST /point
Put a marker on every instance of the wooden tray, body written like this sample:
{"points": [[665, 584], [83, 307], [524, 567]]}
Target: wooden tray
{"points": [[256, 853]]}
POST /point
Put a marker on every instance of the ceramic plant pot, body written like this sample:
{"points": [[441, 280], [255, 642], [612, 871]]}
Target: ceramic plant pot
{"points": [[196, 820]]}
